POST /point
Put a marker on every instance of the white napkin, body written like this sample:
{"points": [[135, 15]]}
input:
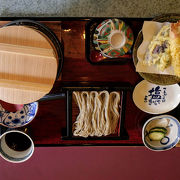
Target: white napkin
{"points": [[149, 30]]}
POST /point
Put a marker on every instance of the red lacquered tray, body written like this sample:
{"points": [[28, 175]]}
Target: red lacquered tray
{"points": [[50, 124]]}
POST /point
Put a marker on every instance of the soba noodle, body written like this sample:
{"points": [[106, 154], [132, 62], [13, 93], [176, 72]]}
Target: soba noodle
{"points": [[98, 114]]}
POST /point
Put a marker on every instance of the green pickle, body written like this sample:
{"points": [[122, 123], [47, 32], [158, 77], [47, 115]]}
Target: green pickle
{"points": [[157, 133]]}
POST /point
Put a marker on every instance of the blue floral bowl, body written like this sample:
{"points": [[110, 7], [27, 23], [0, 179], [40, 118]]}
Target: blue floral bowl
{"points": [[19, 118]]}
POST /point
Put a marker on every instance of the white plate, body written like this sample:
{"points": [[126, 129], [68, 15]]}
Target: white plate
{"points": [[156, 99], [171, 138]]}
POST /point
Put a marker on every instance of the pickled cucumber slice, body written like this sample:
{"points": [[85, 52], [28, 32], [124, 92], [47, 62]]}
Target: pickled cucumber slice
{"points": [[161, 129], [156, 135]]}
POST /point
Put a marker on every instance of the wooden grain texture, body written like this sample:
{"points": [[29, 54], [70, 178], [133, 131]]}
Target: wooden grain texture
{"points": [[77, 68], [28, 65], [50, 121], [26, 51], [48, 126]]}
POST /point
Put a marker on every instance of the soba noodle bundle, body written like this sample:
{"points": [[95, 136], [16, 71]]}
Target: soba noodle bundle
{"points": [[98, 114]]}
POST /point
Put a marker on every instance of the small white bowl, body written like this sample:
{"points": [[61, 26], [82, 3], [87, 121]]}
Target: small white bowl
{"points": [[171, 137], [156, 99]]}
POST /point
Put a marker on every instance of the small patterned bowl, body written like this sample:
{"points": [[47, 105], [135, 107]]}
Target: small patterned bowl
{"points": [[19, 118], [170, 139], [113, 38]]}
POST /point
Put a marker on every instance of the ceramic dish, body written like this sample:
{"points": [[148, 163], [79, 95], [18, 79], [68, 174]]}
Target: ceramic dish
{"points": [[156, 99], [170, 139], [19, 118], [113, 38], [160, 79]]}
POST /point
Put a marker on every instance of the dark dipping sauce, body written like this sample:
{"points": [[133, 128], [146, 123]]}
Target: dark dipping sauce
{"points": [[17, 141]]}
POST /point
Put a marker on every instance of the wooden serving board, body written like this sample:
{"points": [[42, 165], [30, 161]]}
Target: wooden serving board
{"points": [[28, 65]]}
